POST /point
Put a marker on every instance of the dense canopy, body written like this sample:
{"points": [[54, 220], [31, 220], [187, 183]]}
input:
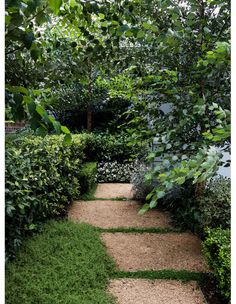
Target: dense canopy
{"points": [[131, 55]]}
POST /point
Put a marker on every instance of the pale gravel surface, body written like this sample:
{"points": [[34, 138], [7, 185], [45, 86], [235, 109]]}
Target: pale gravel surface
{"points": [[150, 251], [114, 190], [140, 291], [114, 214]]}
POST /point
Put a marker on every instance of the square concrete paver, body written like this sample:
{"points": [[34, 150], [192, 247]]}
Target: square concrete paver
{"points": [[114, 190], [150, 251], [140, 291], [114, 214]]}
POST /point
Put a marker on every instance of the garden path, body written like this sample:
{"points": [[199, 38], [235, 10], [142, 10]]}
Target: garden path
{"points": [[142, 243]]}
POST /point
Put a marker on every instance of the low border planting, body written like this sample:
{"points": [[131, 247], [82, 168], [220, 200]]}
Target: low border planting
{"points": [[111, 172], [217, 250], [209, 216]]}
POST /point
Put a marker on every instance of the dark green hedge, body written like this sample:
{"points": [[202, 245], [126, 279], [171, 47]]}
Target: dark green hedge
{"points": [[108, 147], [87, 177], [40, 182], [217, 250]]}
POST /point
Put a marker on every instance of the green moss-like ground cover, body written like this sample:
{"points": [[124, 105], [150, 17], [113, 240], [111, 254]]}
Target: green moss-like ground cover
{"points": [[66, 263]]}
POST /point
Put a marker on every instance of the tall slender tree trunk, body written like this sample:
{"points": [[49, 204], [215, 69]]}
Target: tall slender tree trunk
{"points": [[89, 110], [89, 120]]}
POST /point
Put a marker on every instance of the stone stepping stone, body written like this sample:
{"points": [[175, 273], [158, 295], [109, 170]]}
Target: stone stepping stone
{"points": [[142, 291], [151, 251], [115, 214], [114, 190]]}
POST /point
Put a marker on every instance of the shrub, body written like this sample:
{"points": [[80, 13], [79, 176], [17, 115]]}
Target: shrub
{"points": [[217, 250], [140, 186], [87, 177], [40, 181], [214, 206], [212, 209], [108, 147], [115, 172]]}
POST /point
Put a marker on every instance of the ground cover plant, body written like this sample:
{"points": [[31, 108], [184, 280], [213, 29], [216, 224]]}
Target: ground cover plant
{"points": [[66, 263], [111, 172]]}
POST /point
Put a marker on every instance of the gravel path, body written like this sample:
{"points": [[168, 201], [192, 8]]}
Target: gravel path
{"points": [[114, 214], [155, 251], [116, 190], [142, 251], [140, 291]]}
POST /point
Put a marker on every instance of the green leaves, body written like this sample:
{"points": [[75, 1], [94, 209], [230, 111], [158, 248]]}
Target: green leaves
{"points": [[144, 209], [40, 110], [153, 203], [160, 194], [73, 3], [35, 53], [55, 5], [140, 34], [28, 39], [65, 130], [34, 165], [67, 139]]}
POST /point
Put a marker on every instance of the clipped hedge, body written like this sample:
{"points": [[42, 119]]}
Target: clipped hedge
{"points": [[87, 177], [217, 250], [109, 147], [40, 182]]}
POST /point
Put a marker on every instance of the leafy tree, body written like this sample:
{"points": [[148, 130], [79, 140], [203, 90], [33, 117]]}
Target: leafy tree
{"points": [[148, 52], [186, 64]]}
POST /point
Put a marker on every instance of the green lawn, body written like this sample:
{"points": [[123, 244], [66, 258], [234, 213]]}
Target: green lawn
{"points": [[66, 263]]}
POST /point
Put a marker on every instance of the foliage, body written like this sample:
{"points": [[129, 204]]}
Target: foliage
{"points": [[196, 130], [211, 209], [85, 42], [44, 175], [108, 147], [217, 250], [215, 204], [66, 263], [115, 172], [65, 42], [140, 186], [87, 177], [41, 179]]}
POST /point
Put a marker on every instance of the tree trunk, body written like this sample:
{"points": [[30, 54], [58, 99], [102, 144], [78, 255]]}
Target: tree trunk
{"points": [[89, 121]]}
